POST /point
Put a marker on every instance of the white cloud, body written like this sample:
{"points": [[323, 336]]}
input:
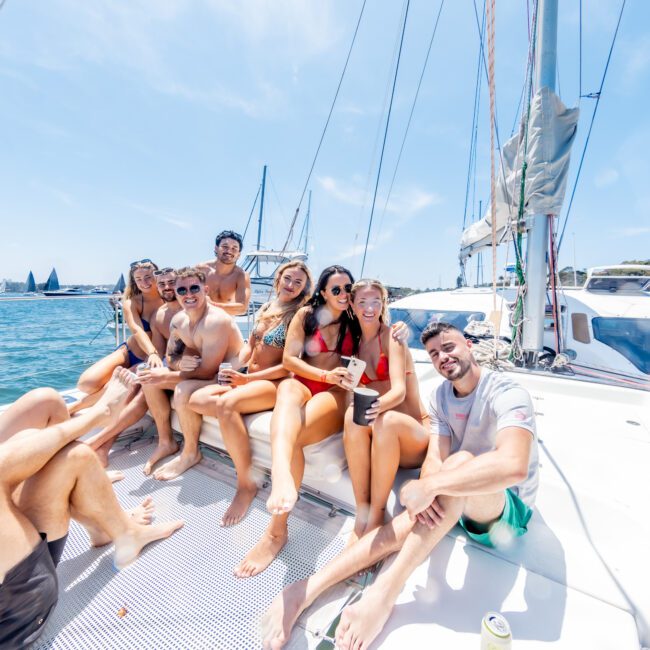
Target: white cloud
{"points": [[163, 215], [403, 201], [606, 177], [633, 231]]}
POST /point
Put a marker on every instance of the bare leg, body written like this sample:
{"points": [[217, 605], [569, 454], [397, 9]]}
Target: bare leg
{"points": [[357, 442], [160, 408], [398, 440], [104, 439], [191, 428], [229, 407], [323, 417], [37, 409]]}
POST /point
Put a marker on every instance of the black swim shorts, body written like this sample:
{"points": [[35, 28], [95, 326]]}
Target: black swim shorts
{"points": [[28, 596]]}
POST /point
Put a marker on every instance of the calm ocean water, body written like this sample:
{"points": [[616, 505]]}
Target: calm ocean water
{"points": [[49, 342]]}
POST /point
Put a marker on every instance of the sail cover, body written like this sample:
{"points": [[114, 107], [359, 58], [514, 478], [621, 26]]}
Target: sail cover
{"points": [[52, 283], [551, 131]]}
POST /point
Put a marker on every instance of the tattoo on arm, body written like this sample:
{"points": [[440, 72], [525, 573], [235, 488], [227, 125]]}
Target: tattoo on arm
{"points": [[175, 349]]}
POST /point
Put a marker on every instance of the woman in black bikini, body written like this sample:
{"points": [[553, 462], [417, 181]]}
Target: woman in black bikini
{"points": [[255, 390], [397, 435]]}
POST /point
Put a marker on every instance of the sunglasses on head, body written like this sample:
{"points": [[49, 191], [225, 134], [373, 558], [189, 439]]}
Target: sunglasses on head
{"points": [[165, 271], [337, 290], [146, 260], [182, 291]]}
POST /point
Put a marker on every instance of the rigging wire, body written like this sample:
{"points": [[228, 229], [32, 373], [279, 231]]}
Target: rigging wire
{"points": [[322, 137], [383, 146], [250, 216], [408, 123], [597, 95]]}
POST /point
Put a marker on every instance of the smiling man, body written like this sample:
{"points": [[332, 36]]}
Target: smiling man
{"points": [[228, 285], [211, 332], [480, 471]]}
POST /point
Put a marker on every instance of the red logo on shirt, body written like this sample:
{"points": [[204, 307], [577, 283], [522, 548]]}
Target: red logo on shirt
{"points": [[461, 416], [519, 415]]}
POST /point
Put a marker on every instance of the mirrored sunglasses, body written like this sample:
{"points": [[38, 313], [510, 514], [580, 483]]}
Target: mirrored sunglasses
{"points": [[146, 260], [336, 291], [182, 291], [165, 271]]}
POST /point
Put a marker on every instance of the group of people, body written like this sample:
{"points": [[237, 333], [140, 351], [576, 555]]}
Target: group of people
{"points": [[476, 442]]}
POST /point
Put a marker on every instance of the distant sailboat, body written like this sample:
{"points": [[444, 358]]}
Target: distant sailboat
{"points": [[3, 286], [30, 284], [52, 283], [120, 285]]}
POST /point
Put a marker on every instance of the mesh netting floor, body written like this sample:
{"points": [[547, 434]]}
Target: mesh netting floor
{"points": [[181, 592]]}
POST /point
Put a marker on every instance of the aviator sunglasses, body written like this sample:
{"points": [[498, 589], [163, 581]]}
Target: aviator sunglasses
{"points": [[182, 291], [167, 269], [146, 260], [337, 290]]}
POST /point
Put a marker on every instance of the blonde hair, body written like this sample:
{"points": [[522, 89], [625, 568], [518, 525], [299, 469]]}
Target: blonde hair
{"points": [[365, 283], [131, 287], [271, 311]]}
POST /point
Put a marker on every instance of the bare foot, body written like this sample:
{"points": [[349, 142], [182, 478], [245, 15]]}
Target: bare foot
{"points": [[161, 451], [283, 495], [141, 515], [176, 467], [362, 622], [114, 475], [281, 616], [261, 555], [129, 545], [239, 506], [118, 390]]}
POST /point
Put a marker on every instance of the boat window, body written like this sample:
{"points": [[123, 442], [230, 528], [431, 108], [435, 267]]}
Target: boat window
{"points": [[418, 319], [619, 285], [628, 336]]}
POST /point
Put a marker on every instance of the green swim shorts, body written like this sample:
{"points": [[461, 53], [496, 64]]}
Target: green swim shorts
{"points": [[512, 523]]}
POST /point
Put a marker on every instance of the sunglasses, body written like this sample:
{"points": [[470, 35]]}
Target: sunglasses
{"points": [[182, 291], [337, 290], [165, 271], [146, 260]]}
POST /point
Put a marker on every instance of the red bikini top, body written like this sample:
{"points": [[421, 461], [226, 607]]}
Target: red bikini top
{"points": [[381, 370], [346, 348]]}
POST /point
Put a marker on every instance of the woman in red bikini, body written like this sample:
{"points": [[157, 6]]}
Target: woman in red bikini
{"points": [[309, 406], [398, 434]]}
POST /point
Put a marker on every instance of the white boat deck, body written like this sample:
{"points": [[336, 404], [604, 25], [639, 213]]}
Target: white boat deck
{"points": [[578, 579]]}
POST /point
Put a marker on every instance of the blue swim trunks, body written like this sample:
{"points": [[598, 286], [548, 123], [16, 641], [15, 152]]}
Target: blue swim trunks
{"points": [[512, 523]]}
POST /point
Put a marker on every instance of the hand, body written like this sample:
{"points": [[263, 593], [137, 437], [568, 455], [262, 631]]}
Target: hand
{"points": [[339, 377], [189, 363], [154, 360], [372, 412], [233, 377], [418, 497], [153, 376], [400, 332]]}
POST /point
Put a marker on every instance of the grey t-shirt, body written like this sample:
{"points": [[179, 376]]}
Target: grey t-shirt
{"points": [[473, 421]]}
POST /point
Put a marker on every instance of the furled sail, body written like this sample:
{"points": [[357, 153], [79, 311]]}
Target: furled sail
{"points": [[30, 284], [52, 283], [120, 285], [551, 131]]}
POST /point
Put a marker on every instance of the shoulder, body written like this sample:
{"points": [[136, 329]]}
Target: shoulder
{"points": [[217, 317], [177, 319], [440, 394]]}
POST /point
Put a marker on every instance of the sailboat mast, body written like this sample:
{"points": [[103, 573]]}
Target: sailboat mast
{"points": [[259, 222], [537, 226], [307, 223]]}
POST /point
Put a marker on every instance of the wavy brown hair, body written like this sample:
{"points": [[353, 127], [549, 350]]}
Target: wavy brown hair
{"points": [[131, 287]]}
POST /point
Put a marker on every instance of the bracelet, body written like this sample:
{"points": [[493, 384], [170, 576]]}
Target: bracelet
{"points": [[151, 354], [323, 377]]}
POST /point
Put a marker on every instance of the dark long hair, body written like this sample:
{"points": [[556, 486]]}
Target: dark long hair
{"points": [[311, 323]]}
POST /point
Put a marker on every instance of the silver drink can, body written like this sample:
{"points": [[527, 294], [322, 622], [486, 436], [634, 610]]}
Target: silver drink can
{"points": [[495, 632], [141, 367], [221, 380]]}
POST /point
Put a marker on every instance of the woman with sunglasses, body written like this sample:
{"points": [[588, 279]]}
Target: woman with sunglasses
{"points": [[397, 435], [255, 390], [141, 300], [309, 406]]}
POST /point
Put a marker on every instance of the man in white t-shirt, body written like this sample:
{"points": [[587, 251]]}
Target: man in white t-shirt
{"points": [[480, 471]]}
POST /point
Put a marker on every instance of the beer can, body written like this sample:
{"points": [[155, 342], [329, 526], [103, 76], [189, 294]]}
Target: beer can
{"points": [[141, 367], [495, 632], [221, 380]]}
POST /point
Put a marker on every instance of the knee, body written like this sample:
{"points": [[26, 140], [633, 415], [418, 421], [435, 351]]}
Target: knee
{"points": [[51, 400], [182, 395], [87, 384], [223, 406], [78, 453], [352, 431], [383, 428]]}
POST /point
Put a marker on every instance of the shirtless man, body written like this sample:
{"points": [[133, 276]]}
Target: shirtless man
{"points": [[207, 329], [481, 471], [228, 285], [47, 478]]}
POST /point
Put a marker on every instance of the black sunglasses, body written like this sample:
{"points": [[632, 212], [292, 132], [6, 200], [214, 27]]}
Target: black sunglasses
{"points": [[337, 290], [195, 288], [167, 269], [146, 260]]}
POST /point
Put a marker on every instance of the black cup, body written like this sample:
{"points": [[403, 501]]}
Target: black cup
{"points": [[363, 400]]}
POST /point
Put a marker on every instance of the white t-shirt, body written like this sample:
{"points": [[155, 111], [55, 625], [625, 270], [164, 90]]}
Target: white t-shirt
{"points": [[473, 421]]}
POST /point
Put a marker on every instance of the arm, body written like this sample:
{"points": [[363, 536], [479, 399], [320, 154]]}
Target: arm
{"points": [[158, 340], [215, 336], [397, 369], [134, 322], [242, 297], [175, 345]]}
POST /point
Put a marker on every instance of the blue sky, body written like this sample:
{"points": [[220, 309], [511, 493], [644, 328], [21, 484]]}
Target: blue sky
{"points": [[139, 129]]}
